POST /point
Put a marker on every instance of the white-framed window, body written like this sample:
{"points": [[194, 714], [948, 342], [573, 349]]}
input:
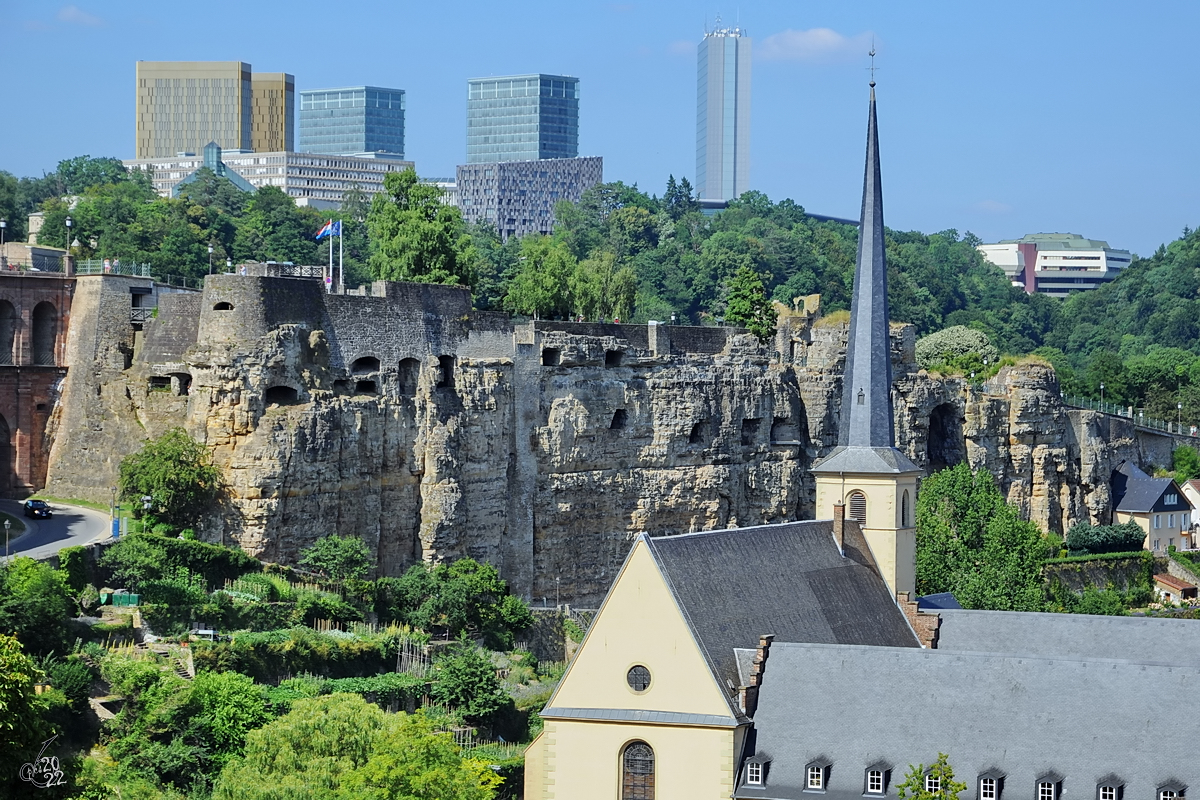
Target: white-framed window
{"points": [[1170, 520], [875, 781], [1158, 520], [1108, 793], [1171, 541], [1156, 541], [1171, 499], [816, 778], [1168, 794], [754, 773], [933, 783], [1047, 790], [1183, 520], [987, 789]]}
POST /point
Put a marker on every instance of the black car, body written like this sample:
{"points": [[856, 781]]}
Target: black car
{"points": [[38, 508]]}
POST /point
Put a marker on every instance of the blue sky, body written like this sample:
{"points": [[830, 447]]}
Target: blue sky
{"points": [[1001, 118]]}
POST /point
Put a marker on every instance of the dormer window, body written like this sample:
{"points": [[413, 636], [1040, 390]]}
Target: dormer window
{"points": [[1108, 793], [754, 773], [816, 775], [1110, 788], [875, 782], [1171, 790], [1048, 786], [1171, 499], [933, 783], [991, 785]]}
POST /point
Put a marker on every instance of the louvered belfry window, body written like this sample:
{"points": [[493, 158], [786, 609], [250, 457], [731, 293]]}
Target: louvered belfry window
{"points": [[637, 772], [858, 507]]}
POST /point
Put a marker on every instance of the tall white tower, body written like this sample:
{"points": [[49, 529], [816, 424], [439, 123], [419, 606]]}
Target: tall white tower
{"points": [[723, 114]]}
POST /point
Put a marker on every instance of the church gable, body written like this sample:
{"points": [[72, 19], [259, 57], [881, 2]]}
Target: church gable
{"points": [[640, 656]]}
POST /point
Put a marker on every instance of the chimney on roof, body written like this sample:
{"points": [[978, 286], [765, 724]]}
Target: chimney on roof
{"points": [[839, 527], [757, 668]]}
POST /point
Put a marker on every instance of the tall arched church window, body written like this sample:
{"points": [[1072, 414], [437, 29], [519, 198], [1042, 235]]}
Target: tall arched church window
{"points": [[905, 518], [858, 507], [637, 772]]}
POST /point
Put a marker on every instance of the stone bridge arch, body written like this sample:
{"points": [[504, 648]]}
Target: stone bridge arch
{"points": [[45, 333]]}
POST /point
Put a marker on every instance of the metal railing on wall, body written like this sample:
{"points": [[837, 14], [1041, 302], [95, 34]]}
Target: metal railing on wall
{"points": [[111, 266], [52, 265], [1135, 415]]}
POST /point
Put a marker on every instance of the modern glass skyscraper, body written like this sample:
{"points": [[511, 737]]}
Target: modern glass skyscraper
{"points": [[357, 120], [522, 118], [723, 114]]}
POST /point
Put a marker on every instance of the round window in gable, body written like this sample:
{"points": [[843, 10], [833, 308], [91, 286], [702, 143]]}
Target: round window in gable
{"points": [[638, 678]]}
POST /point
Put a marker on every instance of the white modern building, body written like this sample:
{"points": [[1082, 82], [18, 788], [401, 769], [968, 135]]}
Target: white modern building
{"points": [[301, 176], [1056, 264]]}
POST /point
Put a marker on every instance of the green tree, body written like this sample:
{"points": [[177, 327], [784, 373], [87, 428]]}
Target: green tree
{"points": [[83, 172], [466, 680], [339, 747], [339, 557], [35, 604], [22, 727], [956, 347], [416, 236], [541, 285], [176, 472], [935, 782], [601, 289], [1186, 463], [974, 544], [747, 305]]}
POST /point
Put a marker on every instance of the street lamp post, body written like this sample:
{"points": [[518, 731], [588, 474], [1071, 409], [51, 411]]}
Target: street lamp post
{"points": [[3, 225], [70, 222], [557, 604], [210, 252], [228, 265], [7, 528], [1179, 417], [1101, 395]]}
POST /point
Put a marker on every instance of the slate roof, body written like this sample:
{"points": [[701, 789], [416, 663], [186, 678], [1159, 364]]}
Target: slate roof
{"points": [[1176, 641], [870, 460], [788, 579], [1142, 493], [1021, 716]]}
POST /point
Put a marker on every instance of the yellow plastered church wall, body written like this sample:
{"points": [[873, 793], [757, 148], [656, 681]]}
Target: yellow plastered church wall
{"points": [[689, 763], [638, 624], [892, 540]]}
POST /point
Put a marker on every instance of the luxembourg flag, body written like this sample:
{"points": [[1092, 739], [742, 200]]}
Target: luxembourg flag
{"points": [[331, 228]]}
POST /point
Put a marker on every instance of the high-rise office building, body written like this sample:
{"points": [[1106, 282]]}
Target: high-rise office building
{"points": [[184, 105], [273, 109], [518, 197], [723, 114], [357, 120], [522, 118]]}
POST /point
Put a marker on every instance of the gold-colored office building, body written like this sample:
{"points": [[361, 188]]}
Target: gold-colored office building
{"points": [[184, 105]]}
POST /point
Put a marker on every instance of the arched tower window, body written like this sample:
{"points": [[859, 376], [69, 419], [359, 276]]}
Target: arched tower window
{"points": [[858, 507], [905, 518], [45, 334], [637, 772]]}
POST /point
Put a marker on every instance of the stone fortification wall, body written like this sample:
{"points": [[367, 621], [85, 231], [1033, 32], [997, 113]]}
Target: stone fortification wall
{"points": [[434, 432], [167, 336]]}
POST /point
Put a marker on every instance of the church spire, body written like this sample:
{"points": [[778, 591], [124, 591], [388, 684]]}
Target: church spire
{"points": [[866, 401], [866, 435]]}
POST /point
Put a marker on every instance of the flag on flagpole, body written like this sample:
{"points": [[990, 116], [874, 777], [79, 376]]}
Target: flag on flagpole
{"points": [[331, 228]]}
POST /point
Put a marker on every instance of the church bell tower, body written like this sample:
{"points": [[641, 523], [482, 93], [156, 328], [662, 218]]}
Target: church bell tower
{"points": [[875, 481]]}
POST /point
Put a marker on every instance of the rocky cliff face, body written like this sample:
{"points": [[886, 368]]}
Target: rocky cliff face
{"points": [[545, 448]]}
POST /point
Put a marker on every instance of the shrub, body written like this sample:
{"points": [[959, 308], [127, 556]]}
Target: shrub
{"points": [[466, 680], [73, 562], [338, 557], [74, 679], [176, 472], [957, 347], [145, 556], [1086, 539]]}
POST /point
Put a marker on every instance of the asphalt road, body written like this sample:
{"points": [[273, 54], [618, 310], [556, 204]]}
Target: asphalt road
{"points": [[70, 525]]}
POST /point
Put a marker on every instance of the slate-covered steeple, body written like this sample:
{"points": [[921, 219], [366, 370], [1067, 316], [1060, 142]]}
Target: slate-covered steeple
{"points": [[866, 440]]}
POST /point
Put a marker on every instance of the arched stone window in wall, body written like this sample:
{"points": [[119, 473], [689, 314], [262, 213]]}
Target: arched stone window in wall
{"points": [[45, 334], [8, 332], [365, 365], [905, 511], [857, 507], [637, 772], [409, 374]]}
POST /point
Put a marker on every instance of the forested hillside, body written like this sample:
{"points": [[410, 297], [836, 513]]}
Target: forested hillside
{"points": [[621, 253]]}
